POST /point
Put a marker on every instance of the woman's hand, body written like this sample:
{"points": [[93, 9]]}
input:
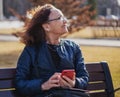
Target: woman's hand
{"points": [[52, 82], [67, 82]]}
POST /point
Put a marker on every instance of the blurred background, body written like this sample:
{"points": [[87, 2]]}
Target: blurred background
{"points": [[94, 25]]}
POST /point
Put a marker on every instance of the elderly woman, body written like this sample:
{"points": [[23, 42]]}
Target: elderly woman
{"points": [[45, 56]]}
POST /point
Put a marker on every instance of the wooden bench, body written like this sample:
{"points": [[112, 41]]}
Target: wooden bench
{"points": [[100, 83]]}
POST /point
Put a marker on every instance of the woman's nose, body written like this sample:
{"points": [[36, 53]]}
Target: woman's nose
{"points": [[65, 20]]}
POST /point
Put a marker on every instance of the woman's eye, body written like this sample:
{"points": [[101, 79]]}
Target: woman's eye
{"points": [[61, 18]]}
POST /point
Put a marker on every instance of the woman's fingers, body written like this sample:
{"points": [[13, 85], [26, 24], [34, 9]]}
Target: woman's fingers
{"points": [[52, 82], [56, 81], [64, 83], [67, 82], [55, 76]]}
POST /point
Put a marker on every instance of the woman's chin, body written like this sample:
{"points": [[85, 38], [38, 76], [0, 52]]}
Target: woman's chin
{"points": [[64, 32]]}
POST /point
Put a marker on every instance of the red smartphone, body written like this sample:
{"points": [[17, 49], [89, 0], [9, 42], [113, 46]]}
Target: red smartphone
{"points": [[69, 73]]}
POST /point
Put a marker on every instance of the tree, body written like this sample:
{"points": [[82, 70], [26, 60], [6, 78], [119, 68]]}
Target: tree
{"points": [[93, 7], [79, 12]]}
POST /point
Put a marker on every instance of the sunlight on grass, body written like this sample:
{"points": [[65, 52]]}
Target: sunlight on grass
{"points": [[9, 52], [9, 31], [83, 33], [96, 32], [6, 47]]}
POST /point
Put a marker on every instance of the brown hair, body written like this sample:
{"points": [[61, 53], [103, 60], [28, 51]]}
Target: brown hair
{"points": [[34, 33]]}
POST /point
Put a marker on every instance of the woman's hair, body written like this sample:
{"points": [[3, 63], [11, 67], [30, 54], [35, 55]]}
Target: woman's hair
{"points": [[34, 33]]}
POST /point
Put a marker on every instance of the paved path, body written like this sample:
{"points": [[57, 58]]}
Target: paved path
{"points": [[90, 42], [98, 42]]}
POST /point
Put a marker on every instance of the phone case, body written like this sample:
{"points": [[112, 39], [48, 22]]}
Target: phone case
{"points": [[69, 73]]}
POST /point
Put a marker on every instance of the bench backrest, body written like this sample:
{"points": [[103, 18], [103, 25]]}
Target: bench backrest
{"points": [[100, 83]]}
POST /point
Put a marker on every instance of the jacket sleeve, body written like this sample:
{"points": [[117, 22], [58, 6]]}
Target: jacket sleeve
{"points": [[23, 83], [81, 72]]}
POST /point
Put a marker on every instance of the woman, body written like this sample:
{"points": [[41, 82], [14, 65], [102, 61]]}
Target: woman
{"points": [[45, 56]]}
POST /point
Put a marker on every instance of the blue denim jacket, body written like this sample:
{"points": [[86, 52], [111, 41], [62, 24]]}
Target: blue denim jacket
{"points": [[28, 81]]}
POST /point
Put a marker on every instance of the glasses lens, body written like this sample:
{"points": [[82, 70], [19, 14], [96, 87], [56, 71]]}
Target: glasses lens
{"points": [[63, 19]]}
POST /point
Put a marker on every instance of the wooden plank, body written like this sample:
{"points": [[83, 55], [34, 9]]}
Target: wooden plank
{"points": [[5, 84], [97, 86], [96, 67], [8, 94], [96, 77], [7, 73], [93, 63], [99, 94]]}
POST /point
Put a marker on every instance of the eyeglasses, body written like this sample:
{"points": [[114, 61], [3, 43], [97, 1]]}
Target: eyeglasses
{"points": [[62, 18]]}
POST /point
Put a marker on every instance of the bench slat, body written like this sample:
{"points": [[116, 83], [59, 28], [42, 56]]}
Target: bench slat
{"points": [[6, 84], [96, 77], [94, 67], [8, 94], [96, 86], [99, 94], [7, 73]]}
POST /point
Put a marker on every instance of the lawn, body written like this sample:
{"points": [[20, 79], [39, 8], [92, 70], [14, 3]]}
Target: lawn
{"points": [[9, 52], [9, 31]]}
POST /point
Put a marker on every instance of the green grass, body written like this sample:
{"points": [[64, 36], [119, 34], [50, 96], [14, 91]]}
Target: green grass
{"points": [[10, 51]]}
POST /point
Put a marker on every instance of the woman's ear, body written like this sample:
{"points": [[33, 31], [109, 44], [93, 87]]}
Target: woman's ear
{"points": [[46, 27]]}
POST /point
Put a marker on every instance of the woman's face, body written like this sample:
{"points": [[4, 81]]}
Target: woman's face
{"points": [[57, 22]]}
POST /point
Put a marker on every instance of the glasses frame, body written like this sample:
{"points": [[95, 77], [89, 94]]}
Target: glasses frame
{"points": [[59, 18]]}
